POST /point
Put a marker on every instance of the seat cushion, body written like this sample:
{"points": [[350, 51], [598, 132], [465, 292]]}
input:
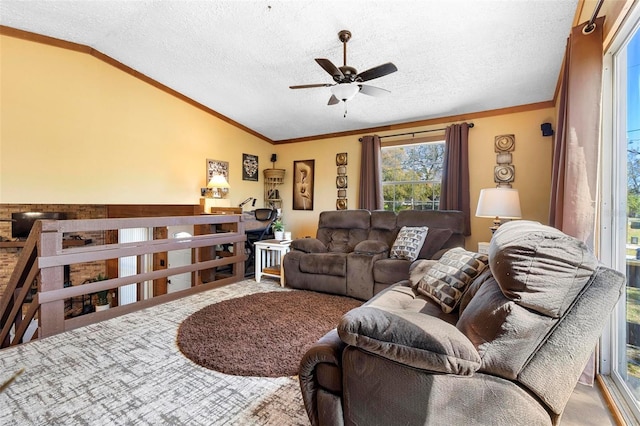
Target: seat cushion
{"points": [[399, 297], [390, 271], [324, 263]]}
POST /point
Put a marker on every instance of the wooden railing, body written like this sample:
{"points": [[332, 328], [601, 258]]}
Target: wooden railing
{"points": [[43, 259]]}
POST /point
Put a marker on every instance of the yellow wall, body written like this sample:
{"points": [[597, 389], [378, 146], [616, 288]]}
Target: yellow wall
{"points": [[77, 130]]}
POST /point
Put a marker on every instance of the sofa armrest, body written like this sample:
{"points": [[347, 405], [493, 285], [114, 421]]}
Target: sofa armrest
{"points": [[371, 247], [309, 245], [411, 338], [318, 369]]}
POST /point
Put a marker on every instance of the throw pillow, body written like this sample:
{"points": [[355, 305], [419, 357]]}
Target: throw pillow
{"points": [[418, 269], [446, 281], [408, 242]]}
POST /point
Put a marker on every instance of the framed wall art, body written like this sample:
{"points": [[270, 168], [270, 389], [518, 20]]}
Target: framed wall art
{"points": [[303, 180], [215, 167], [250, 167]]}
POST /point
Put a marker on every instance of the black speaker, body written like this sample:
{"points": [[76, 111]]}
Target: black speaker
{"points": [[546, 129], [274, 158]]}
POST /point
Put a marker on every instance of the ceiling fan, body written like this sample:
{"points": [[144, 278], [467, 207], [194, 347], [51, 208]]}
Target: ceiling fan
{"points": [[348, 82]]}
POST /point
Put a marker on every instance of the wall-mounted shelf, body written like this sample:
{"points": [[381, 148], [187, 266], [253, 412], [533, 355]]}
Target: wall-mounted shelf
{"points": [[273, 178]]}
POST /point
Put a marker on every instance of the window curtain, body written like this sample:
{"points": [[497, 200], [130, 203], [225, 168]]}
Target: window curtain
{"points": [[574, 180], [371, 174], [455, 175]]}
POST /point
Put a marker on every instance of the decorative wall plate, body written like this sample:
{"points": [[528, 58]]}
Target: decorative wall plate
{"points": [[504, 174], [505, 143]]}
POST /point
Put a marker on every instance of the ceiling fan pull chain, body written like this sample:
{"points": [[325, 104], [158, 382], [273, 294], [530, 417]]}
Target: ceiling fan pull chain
{"points": [[345, 110]]}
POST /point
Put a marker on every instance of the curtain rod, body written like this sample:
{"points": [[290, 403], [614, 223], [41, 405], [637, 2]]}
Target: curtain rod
{"points": [[414, 133], [591, 24]]}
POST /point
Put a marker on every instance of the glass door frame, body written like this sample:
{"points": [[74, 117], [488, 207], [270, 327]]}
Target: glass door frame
{"points": [[613, 206]]}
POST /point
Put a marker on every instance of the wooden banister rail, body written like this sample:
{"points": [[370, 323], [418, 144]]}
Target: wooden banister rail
{"points": [[16, 291], [44, 256]]}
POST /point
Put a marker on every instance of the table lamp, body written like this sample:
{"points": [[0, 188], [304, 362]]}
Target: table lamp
{"points": [[217, 184], [499, 203]]}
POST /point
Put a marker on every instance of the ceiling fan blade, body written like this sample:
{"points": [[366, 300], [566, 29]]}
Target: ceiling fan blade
{"points": [[328, 66], [333, 100], [372, 90], [376, 72], [309, 86]]}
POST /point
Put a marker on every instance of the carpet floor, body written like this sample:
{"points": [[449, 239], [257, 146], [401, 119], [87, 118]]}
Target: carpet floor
{"points": [[243, 337], [129, 371]]}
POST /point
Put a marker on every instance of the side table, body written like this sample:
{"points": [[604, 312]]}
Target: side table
{"points": [[268, 258], [483, 248]]}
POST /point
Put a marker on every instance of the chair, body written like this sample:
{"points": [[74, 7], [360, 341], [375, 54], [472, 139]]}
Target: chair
{"points": [[509, 350], [267, 217]]}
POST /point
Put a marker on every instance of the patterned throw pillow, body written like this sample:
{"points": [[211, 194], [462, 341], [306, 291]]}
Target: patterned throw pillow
{"points": [[408, 242], [446, 281]]}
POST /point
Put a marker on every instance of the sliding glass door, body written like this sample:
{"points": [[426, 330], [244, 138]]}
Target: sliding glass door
{"points": [[620, 230]]}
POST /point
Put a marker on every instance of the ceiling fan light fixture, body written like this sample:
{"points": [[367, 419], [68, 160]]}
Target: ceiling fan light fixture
{"points": [[345, 91]]}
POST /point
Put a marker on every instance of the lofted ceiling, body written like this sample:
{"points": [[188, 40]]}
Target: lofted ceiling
{"points": [[239, 58]]}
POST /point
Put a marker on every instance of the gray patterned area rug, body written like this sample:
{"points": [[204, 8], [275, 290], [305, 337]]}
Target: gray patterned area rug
{"points": [[129, 371]]}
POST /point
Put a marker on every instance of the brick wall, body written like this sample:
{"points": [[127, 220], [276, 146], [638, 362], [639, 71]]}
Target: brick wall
{"points": [[79, 272]]}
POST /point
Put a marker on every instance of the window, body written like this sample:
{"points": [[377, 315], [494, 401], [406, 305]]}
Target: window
{"points": [[620, 231], [412, 175]]}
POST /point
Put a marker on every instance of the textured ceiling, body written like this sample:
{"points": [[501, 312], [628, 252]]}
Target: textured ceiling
{"points": [[240, 57]]}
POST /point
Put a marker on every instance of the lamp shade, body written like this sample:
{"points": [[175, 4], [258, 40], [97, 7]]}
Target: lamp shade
{"points": [[499, 202], [345, 91], [218, 181]]}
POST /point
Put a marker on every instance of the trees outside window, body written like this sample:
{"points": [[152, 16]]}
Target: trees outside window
{"points": [[412, 176]]}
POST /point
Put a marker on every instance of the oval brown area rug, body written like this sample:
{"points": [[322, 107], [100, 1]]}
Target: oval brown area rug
{"points": [[262, 334]]}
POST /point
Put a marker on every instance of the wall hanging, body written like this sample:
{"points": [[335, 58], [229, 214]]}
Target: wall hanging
{"points": [[250, 167], [303, 180], [217, 168], [341, 181], [505, 172]]}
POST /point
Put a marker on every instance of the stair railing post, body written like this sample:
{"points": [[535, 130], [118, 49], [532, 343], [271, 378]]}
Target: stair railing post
{"points": [[51, 318]]}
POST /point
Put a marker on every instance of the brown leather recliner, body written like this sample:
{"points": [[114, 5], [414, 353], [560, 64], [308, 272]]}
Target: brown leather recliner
{"points": [[350, 254], [510, 353]]}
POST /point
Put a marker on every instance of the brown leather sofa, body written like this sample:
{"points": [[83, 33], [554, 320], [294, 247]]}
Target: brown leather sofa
{"points": [[511, 353], [350, 254]]}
